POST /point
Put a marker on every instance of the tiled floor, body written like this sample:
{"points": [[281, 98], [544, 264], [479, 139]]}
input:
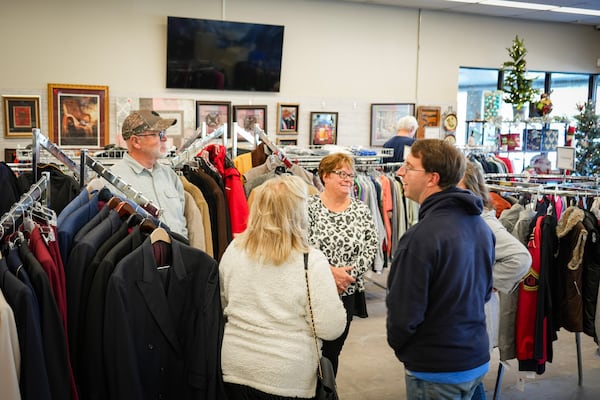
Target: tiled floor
{"points": [[370, 371]]}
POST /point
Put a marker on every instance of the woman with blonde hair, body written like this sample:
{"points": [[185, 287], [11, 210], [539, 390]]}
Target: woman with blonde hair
{"points": [[268, 349]]}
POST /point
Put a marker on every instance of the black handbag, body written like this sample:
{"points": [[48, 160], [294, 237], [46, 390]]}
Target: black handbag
{"points": [[326, 387]]}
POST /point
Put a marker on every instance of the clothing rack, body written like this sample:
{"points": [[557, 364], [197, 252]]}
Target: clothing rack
{"points": [[541, 189], [192, 149], [35, 192], [79, 170]]}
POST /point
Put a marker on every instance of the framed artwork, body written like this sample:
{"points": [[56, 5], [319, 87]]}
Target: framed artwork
{"points": [[323, 128], [287, 118], [427, 116], [214, 114], [21, 115], [287, 142], [384, 118], [78, 115], [175, 132], [247, 117]]}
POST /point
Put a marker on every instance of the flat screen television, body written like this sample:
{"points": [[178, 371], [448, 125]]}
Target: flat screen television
{"points": [[223, 55]]}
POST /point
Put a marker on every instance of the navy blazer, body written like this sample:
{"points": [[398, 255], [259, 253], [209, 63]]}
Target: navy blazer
{"points": [[34, 377], [163, 328]]}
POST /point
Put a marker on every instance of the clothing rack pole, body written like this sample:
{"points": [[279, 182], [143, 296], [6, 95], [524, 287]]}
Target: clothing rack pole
{"points": [[579, 365], [41, 140], [276, 150], [123, 186], [34, 194], [116, 181], [193, 148]]}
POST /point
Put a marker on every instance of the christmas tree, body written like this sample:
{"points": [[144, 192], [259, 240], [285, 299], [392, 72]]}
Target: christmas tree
{"points": [[517, 88], [588, 140]]}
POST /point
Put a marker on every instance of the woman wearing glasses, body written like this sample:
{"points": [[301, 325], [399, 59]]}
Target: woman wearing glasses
{"points": [[342, 228]]}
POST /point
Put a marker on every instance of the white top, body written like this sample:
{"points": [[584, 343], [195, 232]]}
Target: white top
{"points": [[10, 354], [268, 342]]}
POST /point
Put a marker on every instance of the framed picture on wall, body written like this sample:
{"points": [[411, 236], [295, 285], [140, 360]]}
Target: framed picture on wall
{"points": [[247, 117], [323, 128], [287, 142], [427, 116], [78, 115], [383, 120], [213, 114], [21, 115], [287, 118]]}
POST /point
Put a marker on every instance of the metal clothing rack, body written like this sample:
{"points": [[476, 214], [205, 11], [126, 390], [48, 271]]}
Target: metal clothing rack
{"points": [[541, 189], [274, 148], [192, 149], [34, 194], [79, 170]]}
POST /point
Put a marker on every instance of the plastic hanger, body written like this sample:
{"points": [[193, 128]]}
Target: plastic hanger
{"points": [[160, 234]]}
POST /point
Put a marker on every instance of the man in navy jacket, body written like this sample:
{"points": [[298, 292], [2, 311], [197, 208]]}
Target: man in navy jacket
{"points": [[440, 279]]}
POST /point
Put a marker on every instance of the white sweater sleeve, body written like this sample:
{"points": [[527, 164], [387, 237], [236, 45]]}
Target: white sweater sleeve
{"points": [[328, 309]]}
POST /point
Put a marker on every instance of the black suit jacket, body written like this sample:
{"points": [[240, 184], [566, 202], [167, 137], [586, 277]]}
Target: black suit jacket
{"points": [[33, 382], [53, 333], [92, 376], [163, 328], [80, 260]]}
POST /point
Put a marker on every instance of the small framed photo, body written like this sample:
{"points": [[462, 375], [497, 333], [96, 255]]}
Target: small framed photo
{"points": [[78, 115], [287, 142], [247, 117], [214, 114], [427, 116], [21, 115], [384, 118], [287, 118], [323, 128]]}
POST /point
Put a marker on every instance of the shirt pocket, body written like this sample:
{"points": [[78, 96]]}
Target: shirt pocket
{"points": [[171, 194]]}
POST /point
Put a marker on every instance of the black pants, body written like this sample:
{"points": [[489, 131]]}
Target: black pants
{"points": [[332, 348], [242, 392]]}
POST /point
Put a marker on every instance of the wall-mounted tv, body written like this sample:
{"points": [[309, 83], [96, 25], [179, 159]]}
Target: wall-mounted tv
{"points": [[223, 55]]}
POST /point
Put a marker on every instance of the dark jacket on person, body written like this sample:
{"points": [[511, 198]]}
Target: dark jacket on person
{"points": [[439, 281]]}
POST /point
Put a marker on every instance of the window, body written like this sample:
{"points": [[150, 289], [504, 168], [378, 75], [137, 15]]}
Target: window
{"points": [[568, 90]]}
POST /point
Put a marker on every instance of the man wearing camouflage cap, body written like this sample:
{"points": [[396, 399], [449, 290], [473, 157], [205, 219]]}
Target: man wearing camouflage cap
{"points": [[145, 134]]}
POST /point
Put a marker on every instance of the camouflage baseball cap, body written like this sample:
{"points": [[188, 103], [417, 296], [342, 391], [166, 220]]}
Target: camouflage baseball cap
{"points": [[144, 120]]}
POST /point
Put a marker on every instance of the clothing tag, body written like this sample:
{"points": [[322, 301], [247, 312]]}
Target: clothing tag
{"points": [[163, 267]]}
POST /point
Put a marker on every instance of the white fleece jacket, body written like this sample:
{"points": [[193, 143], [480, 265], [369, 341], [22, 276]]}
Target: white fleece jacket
{"points": [[268, 342]]}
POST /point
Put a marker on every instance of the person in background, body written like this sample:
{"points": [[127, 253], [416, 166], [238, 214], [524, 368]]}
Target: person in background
{"points": [[406, 127], [343, 228], [511, 264], [268, 349], [440, 279], [145, 134]]}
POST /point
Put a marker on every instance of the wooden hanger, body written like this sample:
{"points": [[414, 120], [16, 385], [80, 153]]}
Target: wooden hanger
{"points": [[113, 202], [124, 209], [160, 234]]}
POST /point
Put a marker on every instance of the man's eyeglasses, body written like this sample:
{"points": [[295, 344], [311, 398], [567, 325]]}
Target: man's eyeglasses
{"points": [[410, 168], [161, 135], [344, 174]]}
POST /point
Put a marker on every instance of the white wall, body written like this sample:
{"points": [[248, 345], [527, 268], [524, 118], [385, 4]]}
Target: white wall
{"points": [[337, 56]]}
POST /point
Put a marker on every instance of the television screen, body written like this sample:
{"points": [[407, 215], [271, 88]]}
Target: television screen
{"points": [[211, 54]]}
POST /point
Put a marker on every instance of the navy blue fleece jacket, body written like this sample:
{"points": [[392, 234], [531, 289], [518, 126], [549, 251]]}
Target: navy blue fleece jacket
{"points": [[439, 281]]}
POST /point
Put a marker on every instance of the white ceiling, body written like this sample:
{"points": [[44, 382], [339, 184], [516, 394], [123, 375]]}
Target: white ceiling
{"points": [[447, 6]]}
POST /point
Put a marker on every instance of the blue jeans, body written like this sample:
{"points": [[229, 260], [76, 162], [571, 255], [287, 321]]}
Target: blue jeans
{"points": [[417, 389]]}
